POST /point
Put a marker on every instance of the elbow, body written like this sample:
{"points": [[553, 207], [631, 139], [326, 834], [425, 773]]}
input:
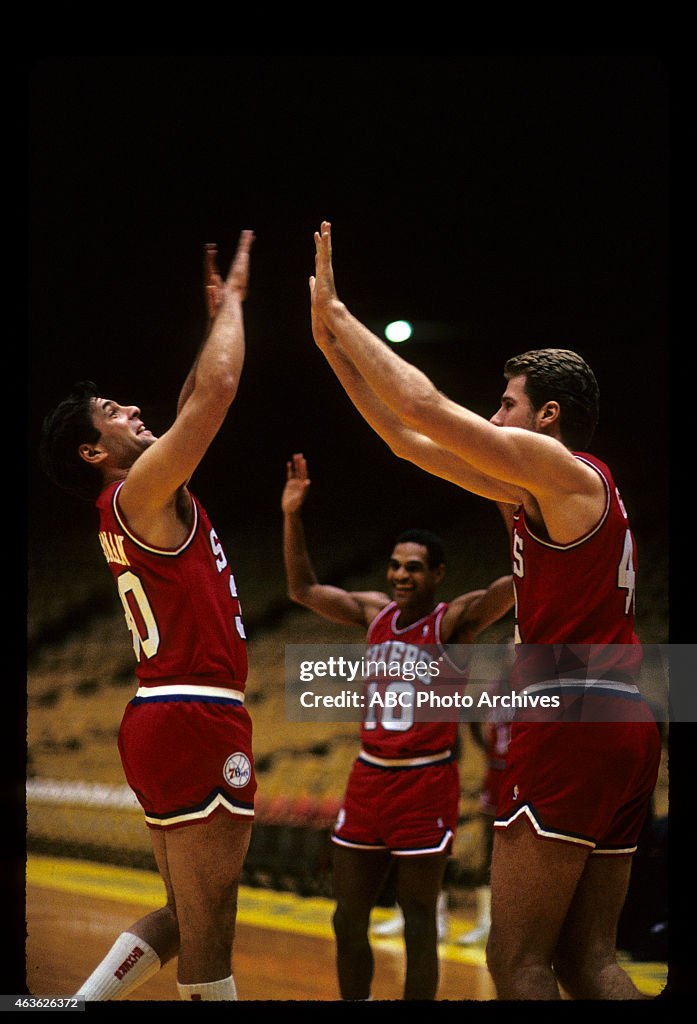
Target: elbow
{"points": [[398, 447], [220, 392], [298, 595], [228, 385], [416, 408]]}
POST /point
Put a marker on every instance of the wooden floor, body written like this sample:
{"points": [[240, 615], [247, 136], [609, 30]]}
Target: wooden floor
{"points": [[284, 948]]}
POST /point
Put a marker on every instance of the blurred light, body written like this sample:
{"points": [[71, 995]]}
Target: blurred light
{"points": [[398, 330]]}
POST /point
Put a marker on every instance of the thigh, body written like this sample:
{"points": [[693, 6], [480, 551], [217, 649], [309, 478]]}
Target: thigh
{"points": [[358, 878], [159, 848], [420, 879], [533, 882], [203, 864], [590, 928]]}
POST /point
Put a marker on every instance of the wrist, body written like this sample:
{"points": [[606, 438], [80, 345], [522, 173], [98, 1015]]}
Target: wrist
{"points": [[334, 310]]}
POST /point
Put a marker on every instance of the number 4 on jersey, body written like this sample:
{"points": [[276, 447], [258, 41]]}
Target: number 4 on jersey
{"points": [[626, 573]]}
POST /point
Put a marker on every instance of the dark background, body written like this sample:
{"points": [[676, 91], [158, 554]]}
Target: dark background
{"points": [[499, 202]]}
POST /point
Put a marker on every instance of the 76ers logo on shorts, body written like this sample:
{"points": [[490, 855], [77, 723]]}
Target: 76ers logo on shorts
{"points": [[237, 770]]}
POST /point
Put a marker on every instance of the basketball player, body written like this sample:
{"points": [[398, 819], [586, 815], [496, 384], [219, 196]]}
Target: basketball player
{"points": [[185, 738], [574, 795], [402, 796]]}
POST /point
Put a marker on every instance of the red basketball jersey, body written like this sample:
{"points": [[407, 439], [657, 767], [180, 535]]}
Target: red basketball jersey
{"points": [[399, 730], [181, 605], [580, 593]]}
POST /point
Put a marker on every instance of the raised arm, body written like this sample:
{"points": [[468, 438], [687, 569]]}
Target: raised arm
{"points": [[406, 443], [214, 289], [353, 608], [524, 460], [155, 478], [469, 615]]}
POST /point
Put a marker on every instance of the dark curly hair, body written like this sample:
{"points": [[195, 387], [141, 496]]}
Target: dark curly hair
{"points": [[431, 541], [64, 429]]}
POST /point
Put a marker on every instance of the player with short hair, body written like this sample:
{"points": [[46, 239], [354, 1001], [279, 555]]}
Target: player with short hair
{"points": [[186, 738], [574, 794], [402, 797]]}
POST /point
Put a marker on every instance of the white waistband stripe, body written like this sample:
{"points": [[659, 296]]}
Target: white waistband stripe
{"points": [[189, 690], [587, 684], [404, 762]]}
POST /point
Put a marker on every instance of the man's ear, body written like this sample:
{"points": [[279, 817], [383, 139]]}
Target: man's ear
{"points": [[549, 414], [91, 453]]}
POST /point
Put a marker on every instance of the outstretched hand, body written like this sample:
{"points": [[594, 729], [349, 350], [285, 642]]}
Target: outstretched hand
{"points": [[213, 280], [297, 484], [238, 275], [322, 287]]}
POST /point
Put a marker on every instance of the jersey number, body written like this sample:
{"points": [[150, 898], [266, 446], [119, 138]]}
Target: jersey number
{"points": [[221, 562], [626, 573], [395, 704], [128, 583]]}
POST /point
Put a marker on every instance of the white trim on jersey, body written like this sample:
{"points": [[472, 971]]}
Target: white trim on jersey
{"points": [[546, 834], [611, 685], [200, 815], [442, 845], [439, 611], [591, 533], [169, 552], [189, 689], [412, 625], [447, 837], [405, 762]]}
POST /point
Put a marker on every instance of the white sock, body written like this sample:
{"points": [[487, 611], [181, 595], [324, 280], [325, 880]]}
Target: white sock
{"points": [[129, 963], [209, 990]]}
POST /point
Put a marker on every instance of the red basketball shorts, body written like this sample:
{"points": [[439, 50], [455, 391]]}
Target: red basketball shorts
{"points": [[408, 811], [583, 782], [185, 758]]}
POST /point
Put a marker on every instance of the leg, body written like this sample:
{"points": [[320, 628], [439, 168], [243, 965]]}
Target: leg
{"points": [[359, 876], [204, 863], [533, 882], [141, 951], [160, 928], [394, 925], [585, 957], [480, 932], [419, 883]]}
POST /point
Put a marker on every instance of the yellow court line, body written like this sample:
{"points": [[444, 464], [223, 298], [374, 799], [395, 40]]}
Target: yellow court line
{"points": [[264, 908]]}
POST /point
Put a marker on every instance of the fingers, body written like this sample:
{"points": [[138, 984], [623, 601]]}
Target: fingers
{"points": [[238, 276], [246, 241], [297, 467], [243, 248], [210, 258]]}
